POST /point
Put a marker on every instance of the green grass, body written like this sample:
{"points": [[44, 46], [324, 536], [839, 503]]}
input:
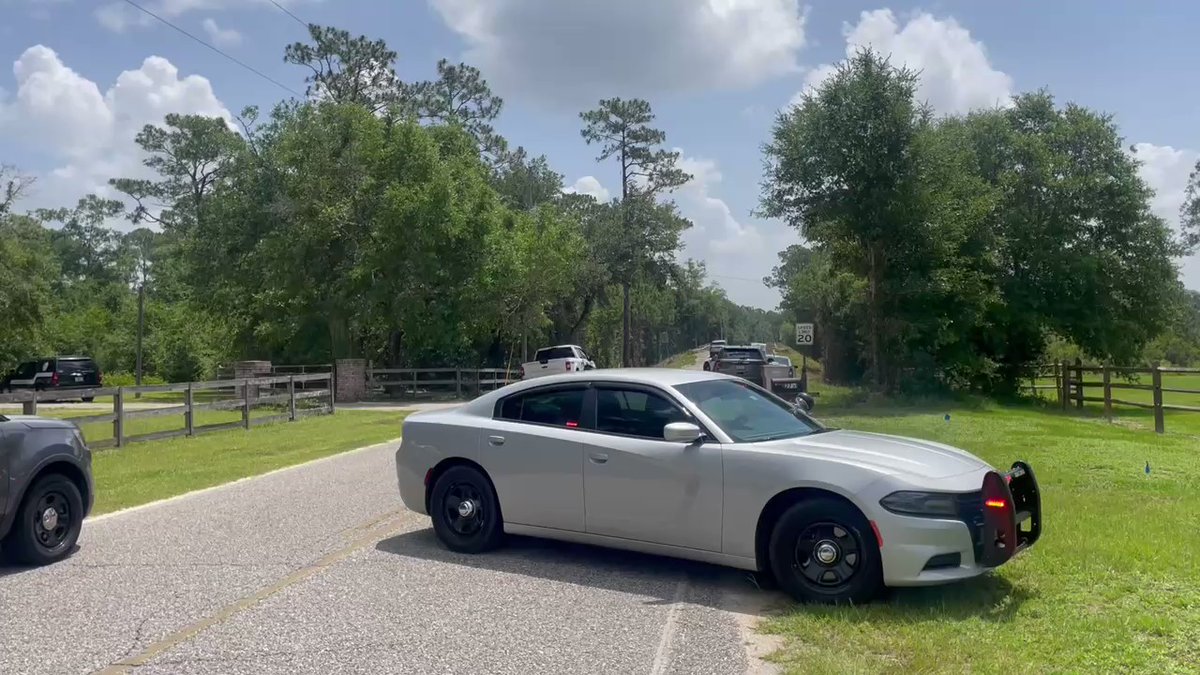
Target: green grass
{"points": [[1113, 586], [144, 472], [682, 360]]}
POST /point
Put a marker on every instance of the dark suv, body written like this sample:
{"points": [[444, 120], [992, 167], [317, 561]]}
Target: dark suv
{"points": [[56, 373], [46, 490]]}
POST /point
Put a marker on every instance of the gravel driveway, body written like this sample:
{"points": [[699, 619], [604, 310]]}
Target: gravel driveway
{"points": [[319, 568]]}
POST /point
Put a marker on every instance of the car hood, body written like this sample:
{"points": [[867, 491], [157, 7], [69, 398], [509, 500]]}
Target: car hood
{"points": [[884, 453], [35, 422]]}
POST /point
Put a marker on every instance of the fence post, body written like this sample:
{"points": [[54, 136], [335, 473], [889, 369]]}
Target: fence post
{"points": [[1064, 392], [1078, 383], [1159, 423], [119, 417], [332, 405], [458, 383], [1107, 394], [291, 398], [189, 411], [30, 407], [246, 404]]}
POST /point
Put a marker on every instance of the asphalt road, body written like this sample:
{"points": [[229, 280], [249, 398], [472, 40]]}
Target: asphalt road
{"points": [[319, 568]]}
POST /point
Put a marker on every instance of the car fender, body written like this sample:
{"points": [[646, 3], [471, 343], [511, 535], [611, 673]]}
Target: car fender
{"points": [[753, 478], [25, 460]]}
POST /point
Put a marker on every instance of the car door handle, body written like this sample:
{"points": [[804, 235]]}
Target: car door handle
{"points": [[598, 457], [495, 440]]}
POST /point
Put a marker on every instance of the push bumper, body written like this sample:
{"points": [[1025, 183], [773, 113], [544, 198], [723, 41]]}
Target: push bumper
{"points": [[995, 523]]}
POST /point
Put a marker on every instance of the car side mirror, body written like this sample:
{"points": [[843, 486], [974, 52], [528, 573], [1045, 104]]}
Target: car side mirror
{"points": [[681, 432], [803, 402]]}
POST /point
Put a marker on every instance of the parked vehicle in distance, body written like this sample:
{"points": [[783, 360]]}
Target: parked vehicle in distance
{"points": [[714, 348], [47, 491], [745, 361], [710, 467], [56, 373], [556, 361], [779, 360]]}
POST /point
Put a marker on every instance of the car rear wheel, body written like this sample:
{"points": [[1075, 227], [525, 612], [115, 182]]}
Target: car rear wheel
{"points": [[823, 551], [48, 522], [465, 511]]}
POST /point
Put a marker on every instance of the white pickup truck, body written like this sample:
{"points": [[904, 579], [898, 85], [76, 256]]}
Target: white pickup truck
{"points": [[557, 360]]}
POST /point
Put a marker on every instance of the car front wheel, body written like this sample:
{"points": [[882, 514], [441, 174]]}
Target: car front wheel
{"points": [[465, 511], [48, 522], [823, 551]]}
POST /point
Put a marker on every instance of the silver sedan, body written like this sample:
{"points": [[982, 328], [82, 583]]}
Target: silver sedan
{"points": [[710, 467]]}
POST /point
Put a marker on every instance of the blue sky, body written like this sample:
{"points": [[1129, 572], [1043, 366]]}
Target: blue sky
{"points": [[80, 82]]}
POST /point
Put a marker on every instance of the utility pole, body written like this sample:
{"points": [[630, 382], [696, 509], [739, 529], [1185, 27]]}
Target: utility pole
{"points": [[141, 327]]}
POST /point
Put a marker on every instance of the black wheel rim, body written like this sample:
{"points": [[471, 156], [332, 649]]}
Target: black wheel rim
{"points": [[828, 555], [52, 520], [464, 509]]}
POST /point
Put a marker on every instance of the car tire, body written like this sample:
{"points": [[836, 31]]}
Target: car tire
{"points": [[464, 528], [39, 538], [89, 399], [824, 551]]}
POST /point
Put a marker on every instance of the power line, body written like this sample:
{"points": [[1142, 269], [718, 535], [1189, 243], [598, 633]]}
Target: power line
{"points": [[285, 10], [248, 67]]}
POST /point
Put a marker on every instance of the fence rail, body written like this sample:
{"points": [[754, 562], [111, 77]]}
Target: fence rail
{"points": [[1070, 386], [314, 391], [431, 382]]}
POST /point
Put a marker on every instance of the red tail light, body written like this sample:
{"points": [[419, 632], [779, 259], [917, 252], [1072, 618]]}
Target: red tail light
{"points": [[572, 424], [996, 503], [54, 379]]}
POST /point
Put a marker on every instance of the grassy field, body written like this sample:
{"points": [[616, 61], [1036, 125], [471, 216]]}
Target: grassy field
{"points": [[683, 360], [1113, 586], [144, 472]]}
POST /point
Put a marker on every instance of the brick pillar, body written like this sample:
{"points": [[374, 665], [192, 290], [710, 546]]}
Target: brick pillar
{"points": [[351, 379], [246, 370]]}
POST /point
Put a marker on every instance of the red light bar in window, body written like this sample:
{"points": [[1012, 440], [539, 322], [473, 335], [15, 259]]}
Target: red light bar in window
{"points": [[572, 424], [995, 503]]}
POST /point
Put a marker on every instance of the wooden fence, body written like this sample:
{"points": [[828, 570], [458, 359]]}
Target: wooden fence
{"points": [[295, 395], [434, 382], [1070, 387]]}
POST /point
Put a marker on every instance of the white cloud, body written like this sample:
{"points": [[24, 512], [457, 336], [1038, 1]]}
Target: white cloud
{"points": [[89, 134], [956, 74], [566, 51], [221, 37], [589, 185], [1166, 170], [120, 16]]}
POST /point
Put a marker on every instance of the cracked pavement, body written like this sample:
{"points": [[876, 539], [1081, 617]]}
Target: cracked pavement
{"points": [[319, 568]]}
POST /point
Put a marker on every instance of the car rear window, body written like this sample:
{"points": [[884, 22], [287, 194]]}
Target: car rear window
{"points": [[741, 353], [555, 407], [27, 369], [77, 366], [550, 353]]}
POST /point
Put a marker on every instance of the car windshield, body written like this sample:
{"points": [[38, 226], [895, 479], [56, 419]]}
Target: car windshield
{"points": [[746, 412]]}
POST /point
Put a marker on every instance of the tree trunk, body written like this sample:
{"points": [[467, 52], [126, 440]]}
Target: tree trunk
{"points": [[625, 324], [873, 274]]}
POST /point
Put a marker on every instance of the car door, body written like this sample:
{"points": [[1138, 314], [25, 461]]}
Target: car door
{"points": [[534, 453], [639, 486]]}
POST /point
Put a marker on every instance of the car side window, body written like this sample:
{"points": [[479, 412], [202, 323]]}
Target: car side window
{"points": [[635, 412], [554, 407]]}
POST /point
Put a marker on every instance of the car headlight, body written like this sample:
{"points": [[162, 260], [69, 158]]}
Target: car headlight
{"points": [[928, 504]]}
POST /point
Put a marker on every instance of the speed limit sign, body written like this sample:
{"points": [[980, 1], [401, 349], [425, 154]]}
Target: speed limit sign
{"points": [[804, 334]]}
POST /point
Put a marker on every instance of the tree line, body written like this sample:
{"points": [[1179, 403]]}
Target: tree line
{"points": [[375, 218], [955, 251]]}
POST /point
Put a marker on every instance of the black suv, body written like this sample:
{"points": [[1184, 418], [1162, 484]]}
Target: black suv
{"points": [[55, 373]]}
